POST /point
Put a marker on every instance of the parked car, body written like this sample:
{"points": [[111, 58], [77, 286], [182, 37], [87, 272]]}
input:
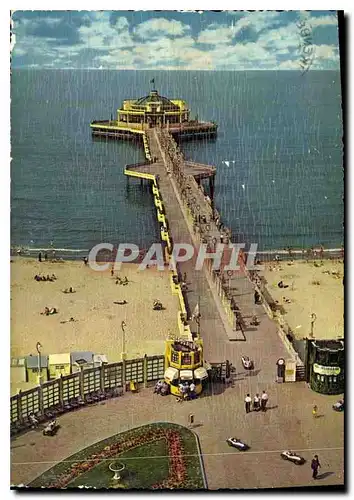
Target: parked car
{"points": [[292, 457], [247, 363], [237, 443]]}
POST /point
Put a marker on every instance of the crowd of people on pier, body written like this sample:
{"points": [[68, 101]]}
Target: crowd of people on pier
{"points": [[205, 215]]}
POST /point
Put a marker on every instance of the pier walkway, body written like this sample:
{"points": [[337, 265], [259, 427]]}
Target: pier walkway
{"points": [[262, 343]]}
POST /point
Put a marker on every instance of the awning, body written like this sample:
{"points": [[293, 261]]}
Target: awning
{"points": [[186, 375], [171, 374], [200, 373]]}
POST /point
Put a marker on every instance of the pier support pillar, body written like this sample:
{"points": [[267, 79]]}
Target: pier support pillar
{"points": [[212, 186]]}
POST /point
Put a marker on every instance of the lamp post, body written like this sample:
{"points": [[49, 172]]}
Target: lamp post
{"points": [[313, 319], [38, 348], [123, 325]]}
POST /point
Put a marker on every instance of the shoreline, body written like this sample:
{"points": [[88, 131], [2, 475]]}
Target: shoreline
{"points": [[72, 254]]}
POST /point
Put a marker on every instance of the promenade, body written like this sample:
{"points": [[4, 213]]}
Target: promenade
{"points": [[288, 424]]}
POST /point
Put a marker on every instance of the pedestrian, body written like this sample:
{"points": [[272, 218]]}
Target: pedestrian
{"points": [[192, 393], [185, 277], [256, 403], [315, 464], [314, 411], [85, 261], [45, 256], [264, 400], [248, 402], [158, 387], [33, 420], [40, 257], [186, 390]]}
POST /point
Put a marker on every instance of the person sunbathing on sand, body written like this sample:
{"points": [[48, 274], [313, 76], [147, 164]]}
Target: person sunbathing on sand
{"points": [[121, 302], [68, 320], [285, 299], [282, 285], [47, 311]]}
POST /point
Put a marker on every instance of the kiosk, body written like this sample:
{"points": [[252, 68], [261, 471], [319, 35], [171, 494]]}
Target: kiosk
{"points": [[184, 365]]}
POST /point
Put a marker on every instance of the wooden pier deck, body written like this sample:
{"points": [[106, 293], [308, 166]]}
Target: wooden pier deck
{"points": [[144, 170]]}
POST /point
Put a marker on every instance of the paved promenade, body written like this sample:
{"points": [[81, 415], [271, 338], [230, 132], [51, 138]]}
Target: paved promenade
{"points": [[288, 424]]}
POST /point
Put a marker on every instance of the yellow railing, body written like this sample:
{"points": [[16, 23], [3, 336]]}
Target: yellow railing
{"points": [[117, 128]]}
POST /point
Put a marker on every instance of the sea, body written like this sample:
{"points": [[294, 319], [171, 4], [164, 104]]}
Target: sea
{"points": [[278, 154]]}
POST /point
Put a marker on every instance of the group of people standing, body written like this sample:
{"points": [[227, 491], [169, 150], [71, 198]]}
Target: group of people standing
{"points": [[259, 402], [187, 390]]}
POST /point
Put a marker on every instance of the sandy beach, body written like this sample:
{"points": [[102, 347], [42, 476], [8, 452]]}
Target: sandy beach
{"points": [[312, 288], [97, 325]]}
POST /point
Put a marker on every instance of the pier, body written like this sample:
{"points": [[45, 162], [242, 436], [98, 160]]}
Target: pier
{"points": [[185, 209], [226, 302], [137, 116]]}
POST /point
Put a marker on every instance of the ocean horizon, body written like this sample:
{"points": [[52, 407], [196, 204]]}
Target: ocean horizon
{"points": [[278, 156]]}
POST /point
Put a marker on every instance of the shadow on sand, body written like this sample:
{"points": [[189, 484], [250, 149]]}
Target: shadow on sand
{"points": [[324, 475], [251, 373]]}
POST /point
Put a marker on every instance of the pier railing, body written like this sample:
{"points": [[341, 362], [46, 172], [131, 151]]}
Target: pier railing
{"points": [[104, 379]]}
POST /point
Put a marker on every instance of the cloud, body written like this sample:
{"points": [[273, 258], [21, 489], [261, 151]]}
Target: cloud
{"points": [[160, 27], [326, 52], [281, 38], [216, 35], [290, 64], [316, 21], [103, 36], [218, 41]]}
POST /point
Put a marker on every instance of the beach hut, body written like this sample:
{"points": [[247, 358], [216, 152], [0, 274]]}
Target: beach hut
{"points": [[59, 364], [18, 370], [99, 360], [32, 368], [81, 360]]}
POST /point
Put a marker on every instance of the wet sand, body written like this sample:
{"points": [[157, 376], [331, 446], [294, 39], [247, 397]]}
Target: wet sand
{"points": [[311, 289], [97, 325]]}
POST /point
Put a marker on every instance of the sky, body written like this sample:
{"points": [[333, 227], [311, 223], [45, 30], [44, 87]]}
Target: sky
{"points": [[174, 40]]}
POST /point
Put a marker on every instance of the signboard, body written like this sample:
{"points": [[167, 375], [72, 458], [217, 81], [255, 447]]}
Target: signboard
{"points": [[326, 370], [290, 371]]}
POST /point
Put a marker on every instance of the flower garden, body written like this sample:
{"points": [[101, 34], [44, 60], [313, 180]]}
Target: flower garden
{"points": [[155, 456]]}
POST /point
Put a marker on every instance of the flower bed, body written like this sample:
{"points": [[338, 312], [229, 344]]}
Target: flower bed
{"points": [[183, 472]]}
